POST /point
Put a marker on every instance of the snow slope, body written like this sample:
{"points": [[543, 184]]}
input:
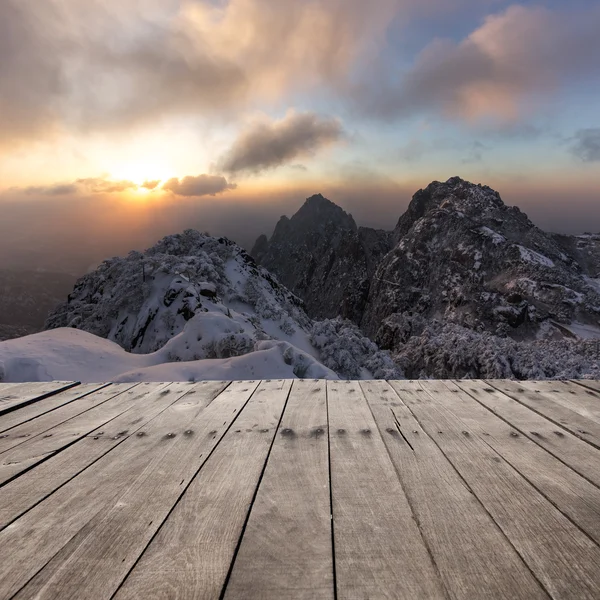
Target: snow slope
{"points": [[191, 307], [68, 354]]}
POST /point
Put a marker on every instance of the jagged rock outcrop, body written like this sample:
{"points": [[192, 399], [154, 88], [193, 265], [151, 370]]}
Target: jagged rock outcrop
{"points": [[323, 257], [464, 257]]}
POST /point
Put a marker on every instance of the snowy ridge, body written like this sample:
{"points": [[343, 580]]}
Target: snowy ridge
{"points": [[191, 307]]}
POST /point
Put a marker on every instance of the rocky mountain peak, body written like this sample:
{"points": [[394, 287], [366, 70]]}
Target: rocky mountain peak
{"points": [[456, 194], [320, 254], [317, 211]]}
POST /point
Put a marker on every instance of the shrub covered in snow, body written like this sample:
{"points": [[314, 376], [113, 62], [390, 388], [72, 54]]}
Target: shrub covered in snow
{"points": [[345, 350], [446, 351]]}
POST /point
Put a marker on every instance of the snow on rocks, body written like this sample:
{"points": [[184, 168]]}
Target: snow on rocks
{"points": [[191, 307]]}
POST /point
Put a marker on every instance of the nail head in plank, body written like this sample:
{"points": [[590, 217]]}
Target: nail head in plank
{"points": [[577, 454], [539, 402]]}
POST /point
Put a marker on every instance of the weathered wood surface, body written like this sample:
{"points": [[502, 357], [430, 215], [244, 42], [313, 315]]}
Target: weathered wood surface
{"points": [[286, 549], [528, 394], [379, 550], [304, 490], [566, 569], [17, 395], [447, 512], [50, 403], [191, 555]]}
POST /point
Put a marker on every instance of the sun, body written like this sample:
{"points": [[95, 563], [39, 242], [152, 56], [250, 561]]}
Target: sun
{"points": [[142, 173]]}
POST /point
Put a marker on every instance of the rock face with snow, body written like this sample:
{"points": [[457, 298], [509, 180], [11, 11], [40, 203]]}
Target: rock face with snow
{"points": [[322, 256], [464, 257], [191, 298]]}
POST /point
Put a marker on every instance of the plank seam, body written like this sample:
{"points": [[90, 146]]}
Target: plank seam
{"points": [[572, 431], [192, 479], [10, 409], [406, 495], [255, 494], [536, 487], [121, 440], [66, 420], [102, 387], [533, 438], [542, 586], [332, 528], [585, 387]]}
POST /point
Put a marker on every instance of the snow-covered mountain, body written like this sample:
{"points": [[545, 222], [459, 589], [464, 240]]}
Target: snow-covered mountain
{"points": [[464, 257], [462, 271], [197, 301]]}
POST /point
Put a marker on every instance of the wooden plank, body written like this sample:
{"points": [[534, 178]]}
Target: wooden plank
{"points": [[27, 544], [40, 447], [191, 554], [589, 384], [379, 551], [27, 413], [27, 393], [286, 551], [24, 492], [570, 395], [542, 404], [474, 558], [563, 558], [581, 457], [96, 561], [573, 495], [44, 423]]}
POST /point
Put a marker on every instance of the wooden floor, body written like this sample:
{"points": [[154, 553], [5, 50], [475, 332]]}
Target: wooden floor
{"points": [[306, 489]]}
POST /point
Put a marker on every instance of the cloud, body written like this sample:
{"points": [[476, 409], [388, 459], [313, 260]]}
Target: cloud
{"points": [[268, 144], [57, 189], [100, 185], [150, 185], [201, 185], [513, 60], [73, 66], [587, 145]]}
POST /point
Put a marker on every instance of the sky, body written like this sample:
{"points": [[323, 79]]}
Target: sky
{"points": [[125, 120]]}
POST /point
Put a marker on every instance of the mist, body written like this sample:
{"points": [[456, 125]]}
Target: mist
{"points": [[73, 234]]}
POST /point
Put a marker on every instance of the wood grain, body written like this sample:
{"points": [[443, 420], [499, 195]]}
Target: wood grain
{"points": [[27, 544], [26, 393], [44, 423], [541, 403], [379, 551], [581, 457], [583, 401], [573, 495], [286, 550], [50, 403], [474, 558], [24, 492], [40, 447], [191, 554], [96, 561], [561, 556]]}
